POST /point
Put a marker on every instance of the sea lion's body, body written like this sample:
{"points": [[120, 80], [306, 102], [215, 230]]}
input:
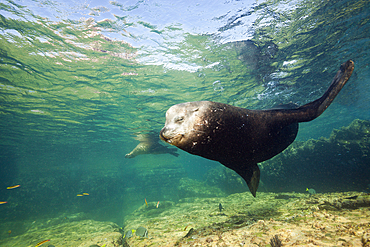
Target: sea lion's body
{"points": [[240, 138]]}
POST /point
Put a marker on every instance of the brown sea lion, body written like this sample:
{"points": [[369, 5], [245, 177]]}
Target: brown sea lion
{"points": [[240, 138], [149, 144]]}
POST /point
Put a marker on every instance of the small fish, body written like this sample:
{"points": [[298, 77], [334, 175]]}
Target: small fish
{"points": [[3, 202], [157, 204], [9, 232], [80, 195], [220, 207], [146, 203], [13, 187], [141, 232], [190, 232], [42, 242], [129, 233], [351, 197], [85, 194], [311, 191]]}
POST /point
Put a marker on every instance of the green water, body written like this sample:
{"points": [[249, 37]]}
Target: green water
{"points": [[78, 81]]}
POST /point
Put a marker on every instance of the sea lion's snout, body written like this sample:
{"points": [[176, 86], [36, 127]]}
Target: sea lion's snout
{"points": [[163, 138], [166, 135], [129, 155], [171, 136]]}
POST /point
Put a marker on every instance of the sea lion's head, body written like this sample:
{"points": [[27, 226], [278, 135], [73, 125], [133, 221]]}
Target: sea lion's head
{"points": [[183, 124]]}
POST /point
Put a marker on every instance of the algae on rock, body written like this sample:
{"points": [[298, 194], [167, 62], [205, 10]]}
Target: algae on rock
{"points": [[338, 163], [193, 188]]}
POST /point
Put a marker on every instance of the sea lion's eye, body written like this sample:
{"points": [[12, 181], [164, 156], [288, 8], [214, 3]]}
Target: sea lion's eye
{"points": [[179, 119]]}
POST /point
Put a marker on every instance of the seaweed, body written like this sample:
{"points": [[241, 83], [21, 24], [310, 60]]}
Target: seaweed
{"points": [[275, 241]]}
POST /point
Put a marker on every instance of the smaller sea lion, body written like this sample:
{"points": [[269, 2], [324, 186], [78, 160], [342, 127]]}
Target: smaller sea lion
{"points": [[240, 138], [149, 144]]}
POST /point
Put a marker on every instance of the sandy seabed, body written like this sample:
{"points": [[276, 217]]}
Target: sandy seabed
{"points": [[271, 219]]}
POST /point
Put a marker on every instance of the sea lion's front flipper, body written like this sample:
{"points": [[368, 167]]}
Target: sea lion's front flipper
{"points": [[250, 173], [252, 177]]}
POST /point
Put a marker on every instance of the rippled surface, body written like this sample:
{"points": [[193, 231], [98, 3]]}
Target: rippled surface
{"points": [[81, 78]]}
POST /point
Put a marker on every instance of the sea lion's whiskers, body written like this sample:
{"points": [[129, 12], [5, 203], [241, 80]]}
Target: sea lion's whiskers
{"points": [[197, 131]]}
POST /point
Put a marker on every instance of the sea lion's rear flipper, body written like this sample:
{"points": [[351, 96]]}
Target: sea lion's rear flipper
{"points": [[314, 109], [250, 173]]}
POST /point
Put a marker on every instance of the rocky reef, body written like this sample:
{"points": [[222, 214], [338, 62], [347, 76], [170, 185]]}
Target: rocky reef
{"points": [[289, 219], [65, 231], [193, 188], [338, 163], [278, 219]]}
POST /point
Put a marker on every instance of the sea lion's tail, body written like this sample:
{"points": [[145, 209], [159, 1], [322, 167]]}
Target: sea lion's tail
{"points": [[315, 108]]}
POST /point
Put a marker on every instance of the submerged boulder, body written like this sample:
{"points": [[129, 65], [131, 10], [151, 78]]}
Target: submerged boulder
{"points": [[338, 163]]}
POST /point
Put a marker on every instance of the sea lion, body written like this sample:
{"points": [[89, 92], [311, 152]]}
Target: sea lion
{"points": [[149, 144], [240, 138]]}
